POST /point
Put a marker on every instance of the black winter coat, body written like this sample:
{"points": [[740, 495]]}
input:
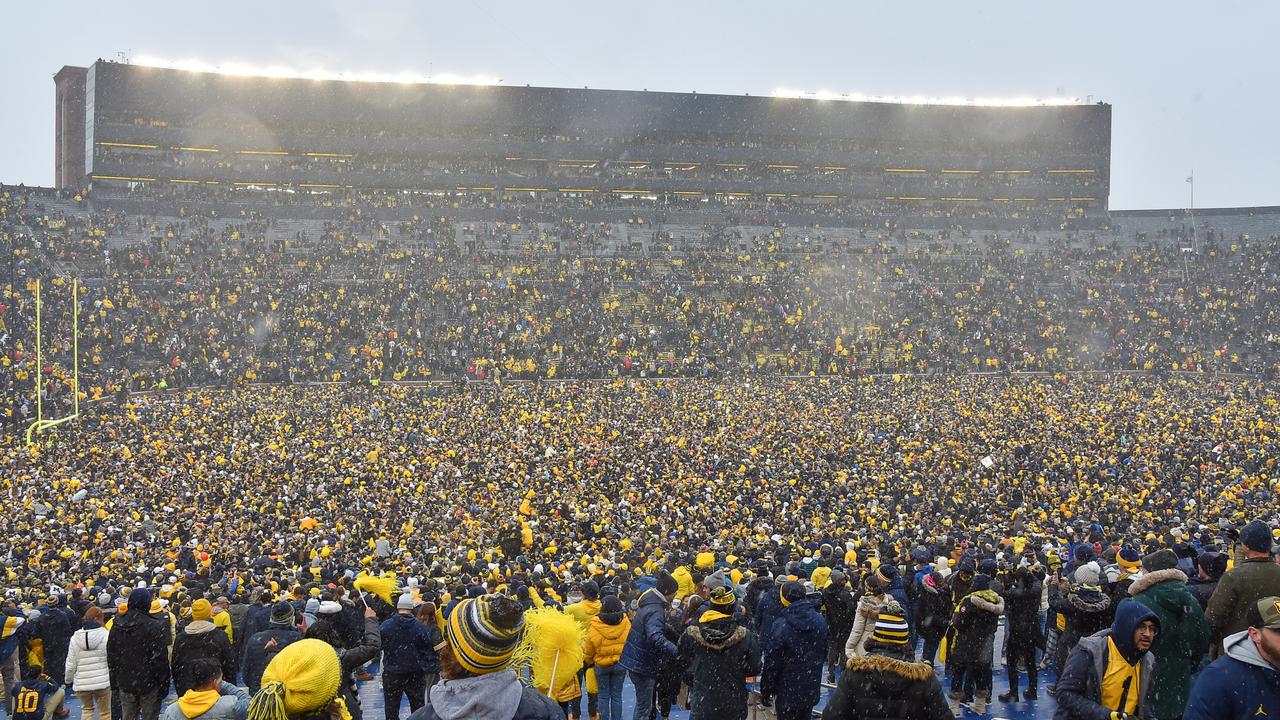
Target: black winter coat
{"points": [[1086, 613], [1202, 590], [257, 657], [1021, 592], [719, 656], [201, 639], [933, 612], [842, 610], [55, 628], [975, 623], [256, 619], [875, 687], [352, 658], [138, 653]]}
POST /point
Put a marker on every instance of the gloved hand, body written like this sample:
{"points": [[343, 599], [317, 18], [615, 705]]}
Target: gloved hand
{"points": [[1117, 715]]}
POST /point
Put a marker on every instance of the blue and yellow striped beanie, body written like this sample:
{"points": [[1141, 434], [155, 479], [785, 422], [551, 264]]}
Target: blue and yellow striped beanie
{"points": [[484, 631]]}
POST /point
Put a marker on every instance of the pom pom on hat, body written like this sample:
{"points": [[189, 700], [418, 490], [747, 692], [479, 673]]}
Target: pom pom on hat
{"points": [[302, 679], [484, 631], [722, 596], [891, 626]]}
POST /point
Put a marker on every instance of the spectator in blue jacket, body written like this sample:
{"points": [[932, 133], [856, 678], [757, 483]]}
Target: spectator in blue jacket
{"points": [[1245, 682], [887, 575], [406, 656], [263, 645], [37, 697], [647, 643], [767, 611], [793, 666]]}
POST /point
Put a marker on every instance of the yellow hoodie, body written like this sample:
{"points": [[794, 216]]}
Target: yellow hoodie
{"points": [[194, 703]]}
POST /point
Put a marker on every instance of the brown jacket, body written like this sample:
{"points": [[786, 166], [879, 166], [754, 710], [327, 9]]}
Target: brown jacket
{"points": [[1244, 584]]}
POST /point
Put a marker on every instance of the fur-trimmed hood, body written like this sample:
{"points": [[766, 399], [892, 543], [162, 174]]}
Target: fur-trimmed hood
{"points": [[881, 663], [1147, 580], [716, 643], [1089, 604], [982, 603]]}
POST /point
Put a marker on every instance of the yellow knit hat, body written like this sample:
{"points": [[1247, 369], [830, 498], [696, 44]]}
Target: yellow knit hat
{"points": [[201, 610], [301, 680]]}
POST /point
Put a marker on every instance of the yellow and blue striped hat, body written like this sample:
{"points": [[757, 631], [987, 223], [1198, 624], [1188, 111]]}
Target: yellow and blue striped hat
{"points": [[891, 626], [484, 631]]}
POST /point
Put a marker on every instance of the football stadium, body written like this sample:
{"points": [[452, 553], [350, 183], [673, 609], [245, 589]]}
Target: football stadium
{"points": [[348, 397]]}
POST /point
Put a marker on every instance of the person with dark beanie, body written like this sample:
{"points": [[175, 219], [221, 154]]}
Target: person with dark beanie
{"points": [[138, 657], [1210, 567], [261, 647], [885, 683], [1254, 578], [1184, 634], [793, 664], [972, 650], [719, 652], [647, 643]]}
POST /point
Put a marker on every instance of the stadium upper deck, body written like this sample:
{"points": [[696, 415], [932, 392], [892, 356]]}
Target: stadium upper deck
{"points": [[1043, 165]]}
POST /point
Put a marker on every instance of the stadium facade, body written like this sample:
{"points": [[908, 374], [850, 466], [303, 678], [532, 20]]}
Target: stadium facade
{"points": [[127, 124]]}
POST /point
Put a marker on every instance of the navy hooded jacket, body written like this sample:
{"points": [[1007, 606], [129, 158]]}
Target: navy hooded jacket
{"points": [[1240, 684], [648, 644], [793, 666]]}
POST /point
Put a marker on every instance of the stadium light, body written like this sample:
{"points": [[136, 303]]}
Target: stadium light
{"points": [[280, 71], [921, 100]]}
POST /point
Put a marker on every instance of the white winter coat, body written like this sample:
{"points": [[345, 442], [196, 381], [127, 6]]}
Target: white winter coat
{"points": [[87, 660]]}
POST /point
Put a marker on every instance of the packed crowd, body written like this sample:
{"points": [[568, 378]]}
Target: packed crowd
{"points": [[207, 301], [797, 521]]}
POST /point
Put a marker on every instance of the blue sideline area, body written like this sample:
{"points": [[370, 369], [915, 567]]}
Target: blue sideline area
{"points": [[1042, 709]]}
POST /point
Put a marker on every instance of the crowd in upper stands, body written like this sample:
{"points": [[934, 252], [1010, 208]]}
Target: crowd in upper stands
{"points": [[195, 300]]}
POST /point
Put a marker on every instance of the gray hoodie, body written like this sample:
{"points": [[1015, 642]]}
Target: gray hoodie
{"points": [[1239, 646], [493, 696]]}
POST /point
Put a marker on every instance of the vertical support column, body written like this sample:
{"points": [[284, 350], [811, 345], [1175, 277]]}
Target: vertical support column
{"points": [[69, 123]]}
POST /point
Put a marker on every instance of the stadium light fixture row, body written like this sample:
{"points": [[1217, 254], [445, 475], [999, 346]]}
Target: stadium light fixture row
{"points": [[280, 71], [922, 100]]}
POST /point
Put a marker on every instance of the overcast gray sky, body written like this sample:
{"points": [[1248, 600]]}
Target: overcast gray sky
{"points": [[1194, 84]]}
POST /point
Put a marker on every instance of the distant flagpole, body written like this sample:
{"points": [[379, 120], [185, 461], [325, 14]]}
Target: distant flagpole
{"points": [[1191, 180]]}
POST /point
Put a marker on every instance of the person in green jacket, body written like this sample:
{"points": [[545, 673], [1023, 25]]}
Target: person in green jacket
{"points": [[1254, 578], [1184, 632]]}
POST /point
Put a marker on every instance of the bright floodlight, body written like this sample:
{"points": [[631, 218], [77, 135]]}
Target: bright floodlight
{"points": [[919, 100]]}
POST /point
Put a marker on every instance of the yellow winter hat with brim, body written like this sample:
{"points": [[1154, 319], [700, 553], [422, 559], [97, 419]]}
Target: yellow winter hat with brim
{"points": [[301, 680]]}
